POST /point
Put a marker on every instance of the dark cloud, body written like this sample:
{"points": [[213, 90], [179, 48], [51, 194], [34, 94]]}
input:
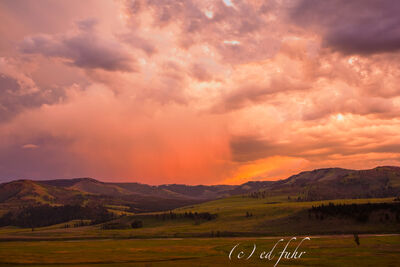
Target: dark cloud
{"points": [[14, 100], [248, 148], [252, 147], [353, 27], [85, 49]]}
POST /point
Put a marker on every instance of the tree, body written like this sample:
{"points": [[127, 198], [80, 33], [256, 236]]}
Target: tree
{"points": [[137, 224]]}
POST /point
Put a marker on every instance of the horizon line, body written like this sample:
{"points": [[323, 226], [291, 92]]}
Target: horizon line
{"points": [[100, 180]]}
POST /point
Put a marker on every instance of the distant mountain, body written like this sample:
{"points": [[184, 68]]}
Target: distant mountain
{"points": [[320, 184]]}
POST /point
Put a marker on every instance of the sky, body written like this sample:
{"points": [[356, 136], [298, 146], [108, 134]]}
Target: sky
{"points": [[197, 91]]}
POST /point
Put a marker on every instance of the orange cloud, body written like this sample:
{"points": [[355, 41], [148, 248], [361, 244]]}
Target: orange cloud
{"points": [[271, 168]]}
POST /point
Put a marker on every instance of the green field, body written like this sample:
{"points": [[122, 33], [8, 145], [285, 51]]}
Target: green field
{"points": [[326, 251], [270, 217], [187, 242]]}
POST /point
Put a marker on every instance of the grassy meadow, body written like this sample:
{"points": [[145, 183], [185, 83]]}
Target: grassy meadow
{"points": [[188, 242], [320, 251], [275, 216]]}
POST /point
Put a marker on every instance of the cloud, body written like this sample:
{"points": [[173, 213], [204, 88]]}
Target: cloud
{"points": [[249, 148], [352, 27], [249, 25], [105, 135], [255, 84], [344, 141], [84, 48], [138, 42], [19, 92], [200, 72], [346, 99], [30, 146]]}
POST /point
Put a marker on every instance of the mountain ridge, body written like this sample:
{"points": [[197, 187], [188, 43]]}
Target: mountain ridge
{"points": [[318, 184]]}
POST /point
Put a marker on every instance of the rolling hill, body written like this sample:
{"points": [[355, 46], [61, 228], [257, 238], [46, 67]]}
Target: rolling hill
{"points": [[336, 183], [320, 184]]}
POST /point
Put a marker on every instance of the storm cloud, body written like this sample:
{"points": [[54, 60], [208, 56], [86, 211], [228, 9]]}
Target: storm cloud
{"points": [[85, 48], [352, 27]]}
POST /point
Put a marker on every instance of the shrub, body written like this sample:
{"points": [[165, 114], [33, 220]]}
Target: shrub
{"points": [[137, 224], [114, 225]]}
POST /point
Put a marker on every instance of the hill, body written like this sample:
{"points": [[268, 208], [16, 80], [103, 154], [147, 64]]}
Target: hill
{"points": [[336, 183], [320, 184]]}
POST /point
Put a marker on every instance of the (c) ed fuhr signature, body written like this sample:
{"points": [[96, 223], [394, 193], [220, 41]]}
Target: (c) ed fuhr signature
{"points": [[269, 255]]}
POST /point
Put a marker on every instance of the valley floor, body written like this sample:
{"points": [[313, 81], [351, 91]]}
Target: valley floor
{"points": [[268, 217], [250, 222]]}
